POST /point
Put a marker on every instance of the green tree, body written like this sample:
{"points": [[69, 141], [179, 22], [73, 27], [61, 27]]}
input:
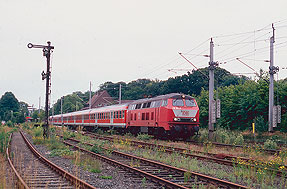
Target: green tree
{"points": [[8, 103], [71, 103]]}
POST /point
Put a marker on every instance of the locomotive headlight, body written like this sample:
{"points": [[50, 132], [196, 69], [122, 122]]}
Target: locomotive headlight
{"points": [[176, 119], [194, 119]]}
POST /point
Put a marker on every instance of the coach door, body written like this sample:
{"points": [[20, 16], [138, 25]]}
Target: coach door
{"points": [[112, 118]]}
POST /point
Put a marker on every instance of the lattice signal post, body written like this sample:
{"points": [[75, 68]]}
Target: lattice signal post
{"points": [[47, 53]]}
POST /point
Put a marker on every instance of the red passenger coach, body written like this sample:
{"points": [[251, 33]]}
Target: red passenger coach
{"points": [[170, 115], [109, 117]]}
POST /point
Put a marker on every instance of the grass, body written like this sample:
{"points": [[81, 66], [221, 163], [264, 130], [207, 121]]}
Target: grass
{"points": [[240, 174], [106, 177], [87, 163], [144, 137]]}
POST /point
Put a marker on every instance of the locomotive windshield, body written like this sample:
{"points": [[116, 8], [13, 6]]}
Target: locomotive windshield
{"points": [[177, 102], [190, 102]]}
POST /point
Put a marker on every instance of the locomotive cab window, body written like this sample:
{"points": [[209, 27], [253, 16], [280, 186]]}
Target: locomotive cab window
{"points": [[164, 103], [190, 102], [177, 102]]}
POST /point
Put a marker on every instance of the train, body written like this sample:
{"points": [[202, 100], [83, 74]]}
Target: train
{"points": [[174, 115]]}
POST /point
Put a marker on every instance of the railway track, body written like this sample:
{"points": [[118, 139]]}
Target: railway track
{"points": [[268, 151], [35, 171], [160, 173], [217, 158]]}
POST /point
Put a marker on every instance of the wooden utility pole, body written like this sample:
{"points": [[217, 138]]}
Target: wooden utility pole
{"points": [[47, 53]]}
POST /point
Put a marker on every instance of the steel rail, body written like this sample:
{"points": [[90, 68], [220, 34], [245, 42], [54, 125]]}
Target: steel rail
{"points": [[182, 151], [269, 151], [170, 149], [129, 168], [73, 179], [19, 178], [208, 179]]}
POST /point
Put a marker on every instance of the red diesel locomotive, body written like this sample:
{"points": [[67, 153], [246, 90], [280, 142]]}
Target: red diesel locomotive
{"points": [[174, 114]]}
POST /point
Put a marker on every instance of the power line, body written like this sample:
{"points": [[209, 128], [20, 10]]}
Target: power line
{"points": [[243, 33], [239, 43]]}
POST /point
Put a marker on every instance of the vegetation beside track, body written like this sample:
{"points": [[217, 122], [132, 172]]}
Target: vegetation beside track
{"points": [[5, 131], [243, 172], [57, 148]]}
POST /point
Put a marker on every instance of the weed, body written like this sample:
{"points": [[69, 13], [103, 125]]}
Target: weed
{"points": [[68, 134], [37, 131], [3, 140], [106, 177], [144, 182], [128, 135], [61, 152], [144, 137], [54, 143], [92, 170], [270, 144], [100, 132], [207, 146], [97, 148]]}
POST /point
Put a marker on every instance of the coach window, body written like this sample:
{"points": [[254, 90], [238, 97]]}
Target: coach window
{"points": [[135, 116], [143, 116], [120, 114], [138, 106], [123, 113], [147, 116], [151, 116], [148, 104], [144, 105]]}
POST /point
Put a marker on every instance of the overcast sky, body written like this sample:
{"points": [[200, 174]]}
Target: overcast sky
{"points": [[123, 40]]}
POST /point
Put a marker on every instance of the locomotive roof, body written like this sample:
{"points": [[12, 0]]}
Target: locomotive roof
{"points": [[162, 97]]}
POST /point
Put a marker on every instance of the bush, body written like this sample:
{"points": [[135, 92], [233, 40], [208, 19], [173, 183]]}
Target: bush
{"points": [[37, 131], [10, 124], [260, 124], [203, 135], [270, 144], [239, 140]]}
